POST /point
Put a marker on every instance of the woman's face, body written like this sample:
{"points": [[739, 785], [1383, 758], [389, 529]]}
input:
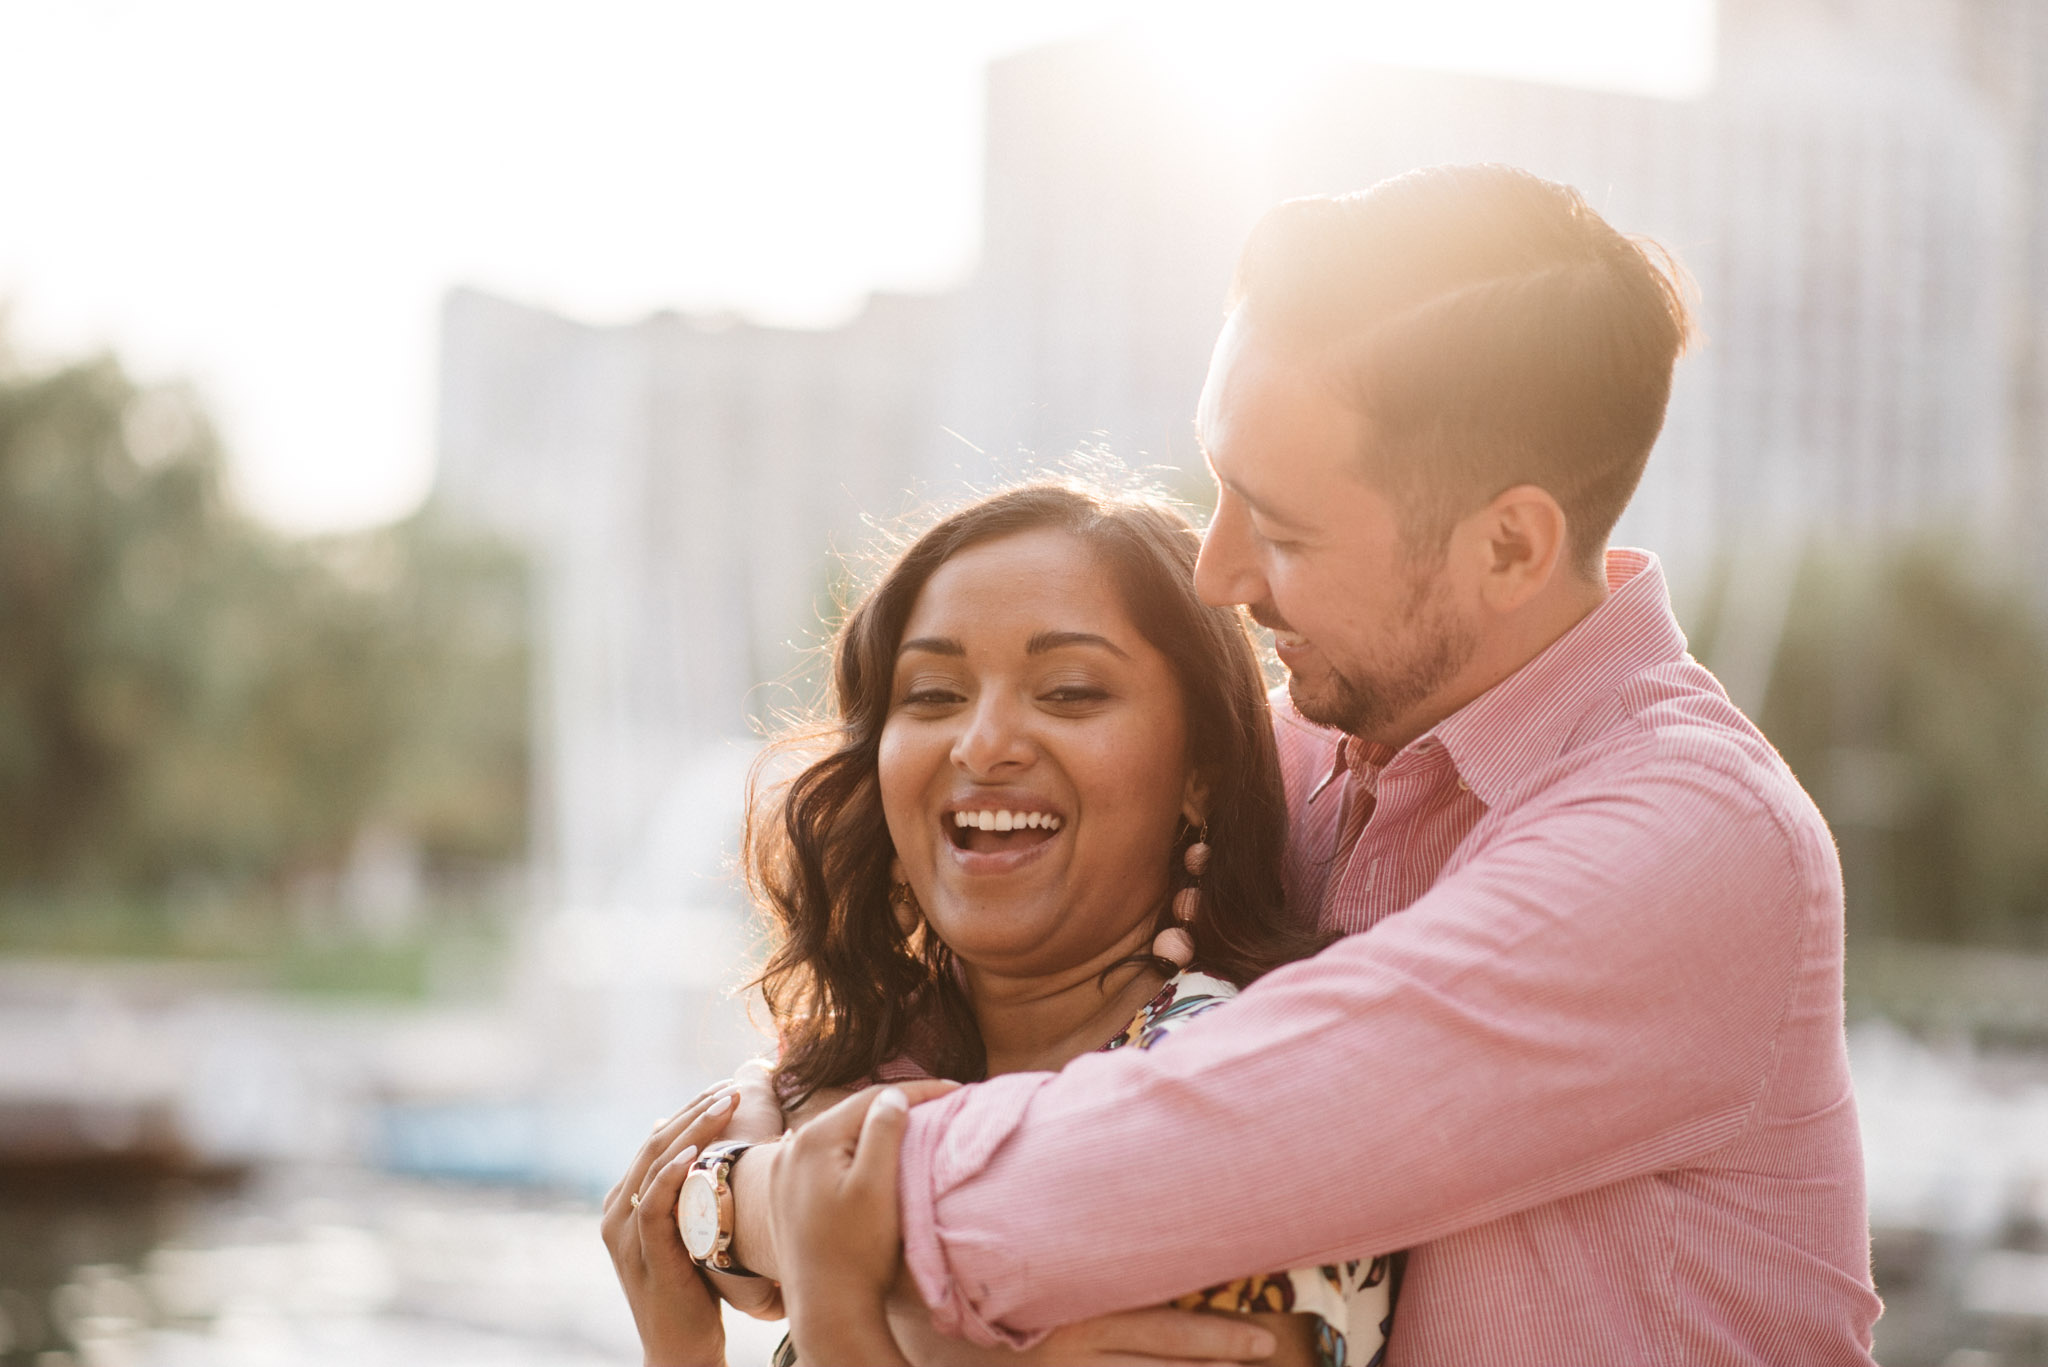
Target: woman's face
{"points": [[1024, 697]]}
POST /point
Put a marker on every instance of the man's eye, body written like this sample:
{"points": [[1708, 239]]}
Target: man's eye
{"points": [[1278, 543]]}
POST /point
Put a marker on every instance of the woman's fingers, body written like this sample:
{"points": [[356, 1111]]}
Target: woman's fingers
{"points": [[841, 1125], [694, 1106], [700, 1130], [665, 1133], [881, 1135], [832, 1212], [660, 1240], [926, 1089], [661, 1140]]}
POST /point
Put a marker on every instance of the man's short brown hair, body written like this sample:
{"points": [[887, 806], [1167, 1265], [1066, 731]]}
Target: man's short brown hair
{"points": [[1492, 329]]}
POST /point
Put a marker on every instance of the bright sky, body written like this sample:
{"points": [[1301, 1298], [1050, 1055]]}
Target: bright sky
{"points": [[270, 199]]}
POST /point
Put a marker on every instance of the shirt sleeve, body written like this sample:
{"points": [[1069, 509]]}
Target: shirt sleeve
{"points": [[1596, 995]]}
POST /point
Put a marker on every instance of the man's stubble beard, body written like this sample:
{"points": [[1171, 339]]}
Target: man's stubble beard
{"points": [[1437, 646]]}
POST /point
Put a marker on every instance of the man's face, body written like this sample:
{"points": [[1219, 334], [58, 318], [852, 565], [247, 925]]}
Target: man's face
{"points": [[1370, 634]]}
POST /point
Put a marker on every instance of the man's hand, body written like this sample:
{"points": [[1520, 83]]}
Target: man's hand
{"points": [[759, 1116], [1136, 1338]]}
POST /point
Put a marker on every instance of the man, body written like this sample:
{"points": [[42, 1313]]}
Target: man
{"points": [[1581, 1050]]}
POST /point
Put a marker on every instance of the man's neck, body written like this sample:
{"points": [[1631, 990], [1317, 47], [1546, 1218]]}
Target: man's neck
{"points": [[1042, 1021]]}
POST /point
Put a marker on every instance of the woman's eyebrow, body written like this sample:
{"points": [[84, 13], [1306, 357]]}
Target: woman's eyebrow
{"points": [[932, 645], [1054, 640]]}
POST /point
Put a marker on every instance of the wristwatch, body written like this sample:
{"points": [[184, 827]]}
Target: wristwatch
{"points": [[705, 1211]]}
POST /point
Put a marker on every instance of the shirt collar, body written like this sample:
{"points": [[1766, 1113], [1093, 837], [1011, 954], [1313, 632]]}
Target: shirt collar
{"points": [[1502, 737], [1352, 755]]}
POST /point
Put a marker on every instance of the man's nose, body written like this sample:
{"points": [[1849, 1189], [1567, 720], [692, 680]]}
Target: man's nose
{"points": [[996, 737], [1225, 571]]}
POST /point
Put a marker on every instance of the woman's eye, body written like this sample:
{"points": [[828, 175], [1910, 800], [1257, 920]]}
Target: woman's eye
{"points": [[1075, 693], [930, 697]]}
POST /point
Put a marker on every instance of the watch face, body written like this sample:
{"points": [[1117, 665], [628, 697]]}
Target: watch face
{"points": [[697, 1214]]}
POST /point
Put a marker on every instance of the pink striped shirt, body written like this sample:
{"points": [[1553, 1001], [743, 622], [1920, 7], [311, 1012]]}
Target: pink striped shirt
{"points": [[1586, 1061]]}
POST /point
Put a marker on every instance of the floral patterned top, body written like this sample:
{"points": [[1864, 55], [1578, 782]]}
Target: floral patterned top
{"points": [[1353, 1302]]}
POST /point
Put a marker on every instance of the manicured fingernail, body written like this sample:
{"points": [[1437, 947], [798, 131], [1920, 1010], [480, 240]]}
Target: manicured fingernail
{"points": [[689, 1152], [724, 1103], [893, 1096]]}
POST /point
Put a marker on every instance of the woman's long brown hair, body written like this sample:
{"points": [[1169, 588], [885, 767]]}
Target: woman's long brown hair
{"points": [[847, 988]]}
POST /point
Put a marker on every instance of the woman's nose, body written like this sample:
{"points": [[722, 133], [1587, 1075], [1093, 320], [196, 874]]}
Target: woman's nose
{"points": [[995, 737]]}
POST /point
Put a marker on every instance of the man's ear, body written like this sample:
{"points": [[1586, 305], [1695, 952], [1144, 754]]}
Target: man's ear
{"points": [[1523, 541]]}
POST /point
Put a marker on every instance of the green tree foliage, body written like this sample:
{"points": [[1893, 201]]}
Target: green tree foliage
{"points": [[186, 695], [1910, 694]]}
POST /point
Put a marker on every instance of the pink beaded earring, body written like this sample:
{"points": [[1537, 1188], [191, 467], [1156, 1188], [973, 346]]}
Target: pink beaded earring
{"points": [[1176, 944]]}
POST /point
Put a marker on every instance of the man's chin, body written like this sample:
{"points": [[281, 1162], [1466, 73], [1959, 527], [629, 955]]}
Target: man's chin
{"points": [[1322, 701]]}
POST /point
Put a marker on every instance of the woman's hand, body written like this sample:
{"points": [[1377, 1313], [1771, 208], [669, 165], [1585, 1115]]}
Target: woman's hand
{"points": [[832, 1203], [674, 1311]]}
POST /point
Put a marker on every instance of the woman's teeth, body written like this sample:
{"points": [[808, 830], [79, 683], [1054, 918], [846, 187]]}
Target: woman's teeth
{"points": [[1006, 821]]}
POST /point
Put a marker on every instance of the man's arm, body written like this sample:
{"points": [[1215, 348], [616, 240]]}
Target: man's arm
{"points": [[1596, 996], [1167, 1336]]}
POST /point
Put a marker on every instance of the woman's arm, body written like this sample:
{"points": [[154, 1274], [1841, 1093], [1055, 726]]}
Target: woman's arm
{"points": [[757, 1118]]}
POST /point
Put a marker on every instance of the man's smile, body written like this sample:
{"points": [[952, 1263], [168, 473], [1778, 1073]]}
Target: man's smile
{"points": [[1285, 638]]}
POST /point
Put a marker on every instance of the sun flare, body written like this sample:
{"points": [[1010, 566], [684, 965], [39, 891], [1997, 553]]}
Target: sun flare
{"points": [[1248, 66]]}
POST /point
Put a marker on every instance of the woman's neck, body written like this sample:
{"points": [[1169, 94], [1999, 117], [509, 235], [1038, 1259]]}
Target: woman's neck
{"points": [[1042, 1021]]}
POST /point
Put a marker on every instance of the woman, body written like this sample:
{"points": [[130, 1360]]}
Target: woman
{"points": [[1045, 819]]}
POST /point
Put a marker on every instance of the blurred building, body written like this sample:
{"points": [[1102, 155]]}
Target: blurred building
{"points": [[1860, 198], [680, 482]]}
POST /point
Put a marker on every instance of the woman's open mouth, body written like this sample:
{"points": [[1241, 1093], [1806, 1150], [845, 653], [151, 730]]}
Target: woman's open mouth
{"points": [[1000, 831]]}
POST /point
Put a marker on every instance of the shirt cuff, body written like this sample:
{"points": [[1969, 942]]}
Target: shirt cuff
{"points": [[949, 1141]]}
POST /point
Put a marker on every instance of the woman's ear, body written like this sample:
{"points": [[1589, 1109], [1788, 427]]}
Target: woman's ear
{"points": [[1194, 799], [902, 898]]}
